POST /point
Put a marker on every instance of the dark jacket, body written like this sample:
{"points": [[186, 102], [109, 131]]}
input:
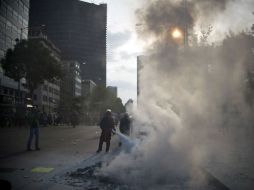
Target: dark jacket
{"points": [[125, 125], [107, 125], [33, 119]]}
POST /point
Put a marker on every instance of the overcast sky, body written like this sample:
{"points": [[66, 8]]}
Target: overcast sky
{"points": [[123, 45]]}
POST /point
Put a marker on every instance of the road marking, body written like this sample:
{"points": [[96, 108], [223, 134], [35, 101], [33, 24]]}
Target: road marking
{"points": [[42, 170]]}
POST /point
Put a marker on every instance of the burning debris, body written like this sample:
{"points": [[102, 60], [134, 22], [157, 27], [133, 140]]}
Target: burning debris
{"points": [[90, 178]]}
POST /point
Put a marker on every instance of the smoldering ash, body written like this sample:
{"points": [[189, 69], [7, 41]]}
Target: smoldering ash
{"points": [[188, 97]]}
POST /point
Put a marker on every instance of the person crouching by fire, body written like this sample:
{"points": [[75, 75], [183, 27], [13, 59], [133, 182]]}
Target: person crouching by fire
{"points": [[106, 125]]}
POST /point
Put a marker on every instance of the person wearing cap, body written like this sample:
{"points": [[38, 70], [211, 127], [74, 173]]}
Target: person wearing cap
{"points": [[107, 125]]}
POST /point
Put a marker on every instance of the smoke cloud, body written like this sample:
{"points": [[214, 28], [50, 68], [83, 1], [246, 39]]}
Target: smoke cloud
{"points": [[193, 102]]}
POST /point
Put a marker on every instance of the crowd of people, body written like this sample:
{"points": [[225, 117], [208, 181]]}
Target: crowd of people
{"points": [[34, 118]]}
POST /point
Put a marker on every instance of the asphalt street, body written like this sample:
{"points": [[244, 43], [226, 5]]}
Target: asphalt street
{"points": [[62, 147], [68, 155]]}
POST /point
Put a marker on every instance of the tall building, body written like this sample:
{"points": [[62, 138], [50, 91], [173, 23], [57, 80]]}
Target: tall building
{"points": [[78, 29], [71, 83], [47, 96], [14, 16], [87, 87], [112, 90]]}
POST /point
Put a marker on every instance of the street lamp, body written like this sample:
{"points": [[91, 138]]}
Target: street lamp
{"points": [[177, 34]]}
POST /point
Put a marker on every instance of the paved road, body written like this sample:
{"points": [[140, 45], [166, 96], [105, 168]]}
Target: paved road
{"points": [[62, 147], [65, 149]]}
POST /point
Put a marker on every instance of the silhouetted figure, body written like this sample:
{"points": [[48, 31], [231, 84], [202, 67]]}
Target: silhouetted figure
{"points": [[106, 125], [74, 119], [33, 120], [125, 125], [49, 119]]}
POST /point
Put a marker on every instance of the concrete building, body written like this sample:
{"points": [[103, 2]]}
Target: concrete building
{"points": [[47, 96], [79, 29], [71, 83], [112, 90], [14, 16], [87, 87]]}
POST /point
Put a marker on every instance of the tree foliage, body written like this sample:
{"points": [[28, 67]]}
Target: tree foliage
{"points": [[32, 60], [102, 99]]}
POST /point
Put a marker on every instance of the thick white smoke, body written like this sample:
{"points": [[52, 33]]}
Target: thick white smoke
{"points": [[192, 102]]}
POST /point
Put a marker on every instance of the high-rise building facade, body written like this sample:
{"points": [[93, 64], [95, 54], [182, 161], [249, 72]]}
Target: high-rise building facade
{"points": [[71, 82], [87, 87], [14, 17], [47, 96], [112, 90], [78, 29]]}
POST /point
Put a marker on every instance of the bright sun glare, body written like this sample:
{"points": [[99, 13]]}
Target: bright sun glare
{"points": [[176, 33]]}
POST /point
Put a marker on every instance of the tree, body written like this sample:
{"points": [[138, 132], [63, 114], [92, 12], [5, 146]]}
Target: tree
{"points": [[33, 60]]}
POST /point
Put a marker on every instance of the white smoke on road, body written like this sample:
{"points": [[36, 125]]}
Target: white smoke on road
{"points": [[192, 101]]}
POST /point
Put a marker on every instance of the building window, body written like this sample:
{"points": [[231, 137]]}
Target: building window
{"points": [[2, 44], [3, 8], [45, 98], [35, 97], [8, 27], [9, 11], [15, 15], [51, 99], [5, 91], [45, 87], [2, 23], [56, 92], [20, 19], [26, 10], [11, 92], [21, 5], [8, 41], [1, 53]]}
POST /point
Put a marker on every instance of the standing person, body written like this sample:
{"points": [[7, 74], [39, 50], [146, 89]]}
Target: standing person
{"points": [[106, 125], [125, 123], [33, 120], [74, 119], [124, 127]]}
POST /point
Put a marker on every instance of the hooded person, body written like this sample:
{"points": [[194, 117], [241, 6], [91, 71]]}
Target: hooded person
{"points": [[107, 125]]}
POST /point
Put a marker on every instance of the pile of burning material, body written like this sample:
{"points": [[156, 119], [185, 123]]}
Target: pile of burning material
{"points": [[90, 179]]}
